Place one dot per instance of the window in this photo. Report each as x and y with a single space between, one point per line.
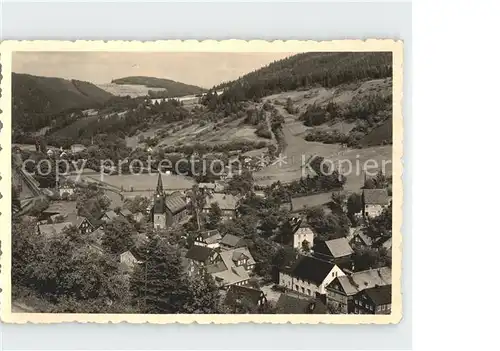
379 308
303 290
308 291
297 287
366 306
383 307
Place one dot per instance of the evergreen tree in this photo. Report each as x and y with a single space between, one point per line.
157 284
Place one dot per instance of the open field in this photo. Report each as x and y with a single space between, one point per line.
298 151
141 182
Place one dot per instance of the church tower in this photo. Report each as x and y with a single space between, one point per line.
159 208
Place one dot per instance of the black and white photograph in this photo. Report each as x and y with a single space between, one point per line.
225 183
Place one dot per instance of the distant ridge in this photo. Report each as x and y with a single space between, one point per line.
302 71
36 94
171 87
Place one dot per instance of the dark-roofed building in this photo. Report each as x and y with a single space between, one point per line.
200 257
289 303
375 300
341 291
227 203
309 276
209 238
230 242
336 250
167 209
374 201
245 299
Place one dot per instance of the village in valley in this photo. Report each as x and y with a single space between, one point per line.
228 200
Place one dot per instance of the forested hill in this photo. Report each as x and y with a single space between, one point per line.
173 88
327 69
41 95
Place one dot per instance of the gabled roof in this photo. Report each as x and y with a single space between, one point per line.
175 203
232 241
111 214
210 236
239 256
375 196
295 304
360 281
126 212
380 295
339 247
54 229
311 269
237 293
225 201
304 231
228 256
199 253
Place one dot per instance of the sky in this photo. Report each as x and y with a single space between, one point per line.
202 69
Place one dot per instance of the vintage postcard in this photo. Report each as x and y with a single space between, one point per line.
210 182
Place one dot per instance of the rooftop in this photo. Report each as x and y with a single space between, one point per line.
54 229
199 253
311 269
360 281
225 201
295 304
380 295
237 293
339 247
232 241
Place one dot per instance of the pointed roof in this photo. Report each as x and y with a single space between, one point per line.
159 185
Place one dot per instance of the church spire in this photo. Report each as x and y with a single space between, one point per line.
159 185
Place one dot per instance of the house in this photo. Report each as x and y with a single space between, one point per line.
211 187
374 202
129 260
167 209
340 292
232 267
209 238
336 250
83 224
388 246
376 300
230 242
138 217
227 203
77 148
109 216
199 257
357 238
51 230
309 276
303 236
289 303
245 297
65 190
124 212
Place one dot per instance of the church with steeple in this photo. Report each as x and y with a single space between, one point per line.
167 209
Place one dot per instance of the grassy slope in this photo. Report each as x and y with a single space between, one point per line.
174 89
34 94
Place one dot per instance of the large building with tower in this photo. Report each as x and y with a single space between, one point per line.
167 209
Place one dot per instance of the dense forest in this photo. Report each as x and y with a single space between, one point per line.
327 69
172 88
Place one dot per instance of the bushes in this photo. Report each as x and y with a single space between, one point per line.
263 131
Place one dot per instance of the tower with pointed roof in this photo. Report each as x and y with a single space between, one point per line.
159 216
